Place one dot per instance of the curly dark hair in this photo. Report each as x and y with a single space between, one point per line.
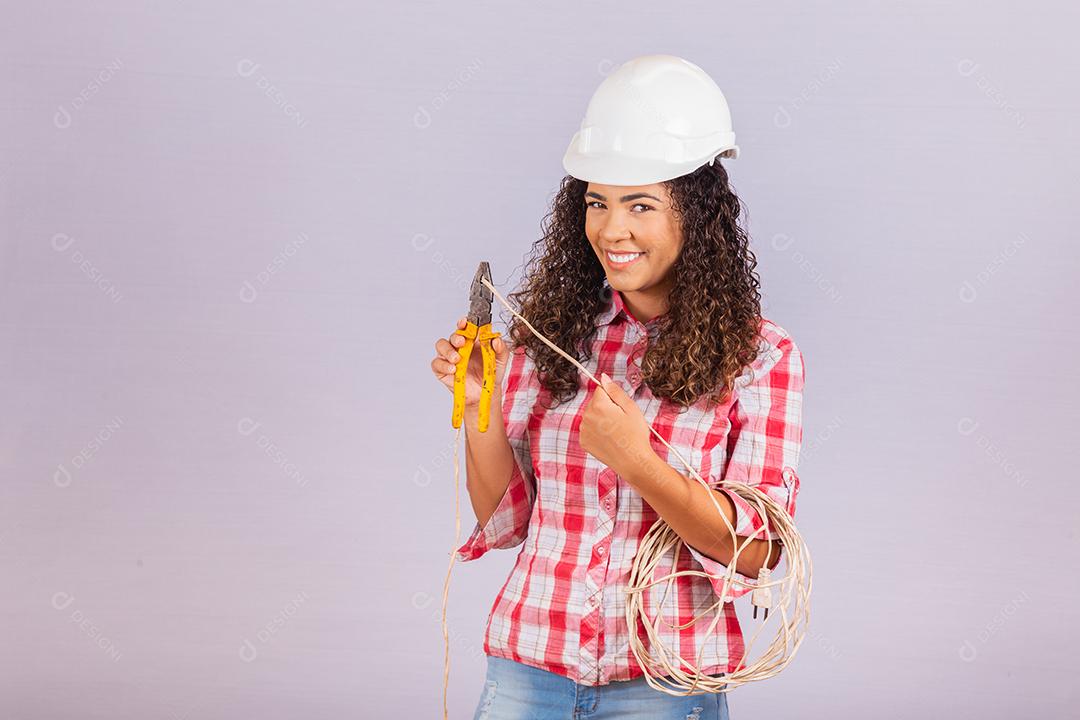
710 331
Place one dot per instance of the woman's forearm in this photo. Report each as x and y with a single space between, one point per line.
684 505
489 461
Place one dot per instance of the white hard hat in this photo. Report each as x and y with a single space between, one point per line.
655 118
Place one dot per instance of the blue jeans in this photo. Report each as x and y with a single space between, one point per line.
515 691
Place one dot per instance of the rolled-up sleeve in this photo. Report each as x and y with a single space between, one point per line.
508 526
763 444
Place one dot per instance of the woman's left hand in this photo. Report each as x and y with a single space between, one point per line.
614 430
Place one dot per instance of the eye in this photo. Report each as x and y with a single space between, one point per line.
643 205
593 203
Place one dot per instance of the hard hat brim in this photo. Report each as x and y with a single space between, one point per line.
609 169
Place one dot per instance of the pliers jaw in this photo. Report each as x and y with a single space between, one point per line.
480 297
477 330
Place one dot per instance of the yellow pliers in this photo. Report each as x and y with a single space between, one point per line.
477 330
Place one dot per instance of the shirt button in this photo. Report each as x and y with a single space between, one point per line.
600 550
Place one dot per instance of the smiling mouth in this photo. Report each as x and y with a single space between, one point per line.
621 260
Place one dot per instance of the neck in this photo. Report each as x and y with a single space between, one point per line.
646 304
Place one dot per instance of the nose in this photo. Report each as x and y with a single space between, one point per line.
614 228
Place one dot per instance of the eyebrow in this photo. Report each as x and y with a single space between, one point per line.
624 198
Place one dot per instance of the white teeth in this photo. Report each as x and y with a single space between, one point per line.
623 258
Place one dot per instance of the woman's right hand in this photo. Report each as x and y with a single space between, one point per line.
444 365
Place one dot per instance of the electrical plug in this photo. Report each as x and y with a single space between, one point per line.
762 596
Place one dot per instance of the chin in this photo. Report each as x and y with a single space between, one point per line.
623 284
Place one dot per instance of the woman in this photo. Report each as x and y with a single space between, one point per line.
645 274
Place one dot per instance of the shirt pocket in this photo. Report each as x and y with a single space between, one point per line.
556 451
695 432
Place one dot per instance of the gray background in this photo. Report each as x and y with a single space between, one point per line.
231 236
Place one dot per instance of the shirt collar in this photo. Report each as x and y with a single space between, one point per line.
613 308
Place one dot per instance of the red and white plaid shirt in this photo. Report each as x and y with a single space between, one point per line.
563 606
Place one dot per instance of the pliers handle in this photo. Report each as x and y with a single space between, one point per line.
482 334
477 330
